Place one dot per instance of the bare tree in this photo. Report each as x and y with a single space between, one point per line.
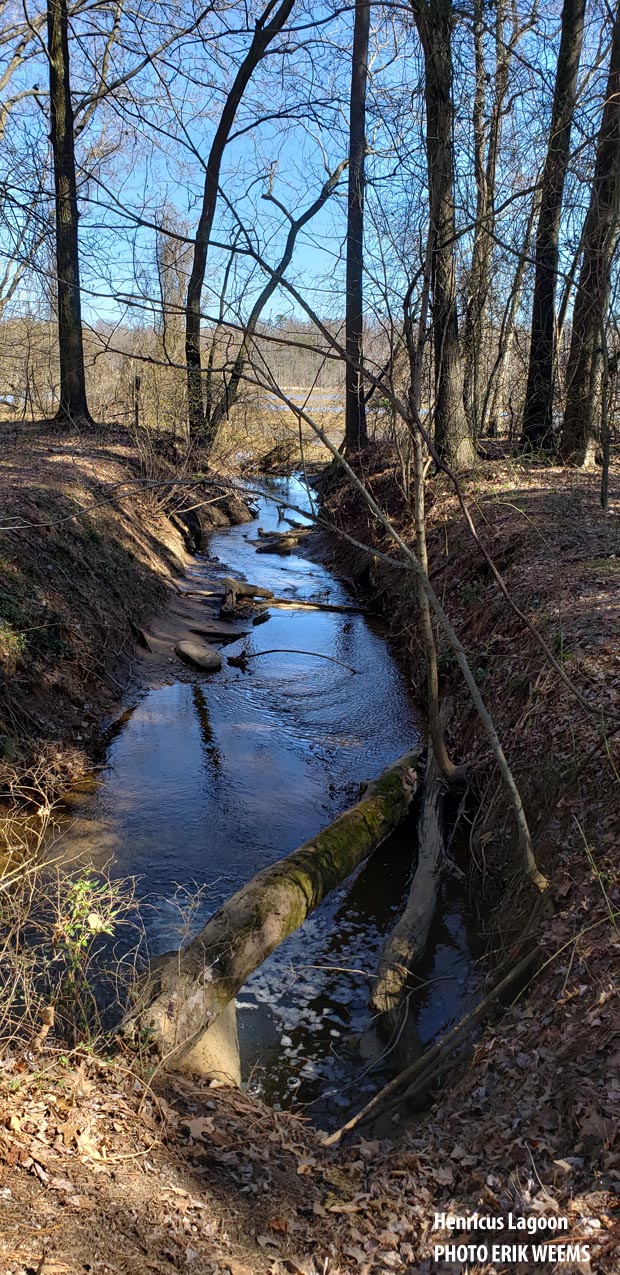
434 20
231 390
268 26
487 138
538 411
355 405
592 299
73 405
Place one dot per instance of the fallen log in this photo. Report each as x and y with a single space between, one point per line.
295 534
242 589
186 990
340 607
282 546
235 589
407 942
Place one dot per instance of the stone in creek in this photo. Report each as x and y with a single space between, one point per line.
199 655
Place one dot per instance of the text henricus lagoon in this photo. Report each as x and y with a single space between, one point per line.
515 1245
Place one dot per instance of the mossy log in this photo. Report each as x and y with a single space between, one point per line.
186 990
283 545
296 533
407 941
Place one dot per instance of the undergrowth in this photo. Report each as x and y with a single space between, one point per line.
70 939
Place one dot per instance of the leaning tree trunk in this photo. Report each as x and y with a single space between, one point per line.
265 31
434 20
355 403
415 348
592 299
538 410
188 989
73 404
407 942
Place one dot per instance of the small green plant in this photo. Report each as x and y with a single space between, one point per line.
11 639
560 646
69 942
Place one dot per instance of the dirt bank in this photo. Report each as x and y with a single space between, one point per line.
559 556
541 1097
92 539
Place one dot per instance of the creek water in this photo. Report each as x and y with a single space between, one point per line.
206 781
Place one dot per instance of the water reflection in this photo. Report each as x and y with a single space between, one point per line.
206 782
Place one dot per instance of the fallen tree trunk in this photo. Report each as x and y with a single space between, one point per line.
295 534
283 545
341 608
407 941
186 990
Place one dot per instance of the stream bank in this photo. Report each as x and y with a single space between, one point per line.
88 551
558 555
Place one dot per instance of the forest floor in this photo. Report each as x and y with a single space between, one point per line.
99 1173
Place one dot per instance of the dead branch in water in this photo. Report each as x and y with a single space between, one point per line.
407 941
238 661
416 1074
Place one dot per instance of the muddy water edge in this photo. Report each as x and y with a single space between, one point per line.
207 778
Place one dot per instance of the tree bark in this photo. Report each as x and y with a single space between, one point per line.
434 20
265 31
538 410
486 152
415 349
592 299
73 405
188 989
355 402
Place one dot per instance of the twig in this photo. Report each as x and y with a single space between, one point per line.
238 660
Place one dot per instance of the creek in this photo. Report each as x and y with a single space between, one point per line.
210 778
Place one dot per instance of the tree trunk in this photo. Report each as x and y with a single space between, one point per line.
73 404
592 299
415 349
355 403
494 395
188 989
407 942
538 410
434 19
264 33
486 152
